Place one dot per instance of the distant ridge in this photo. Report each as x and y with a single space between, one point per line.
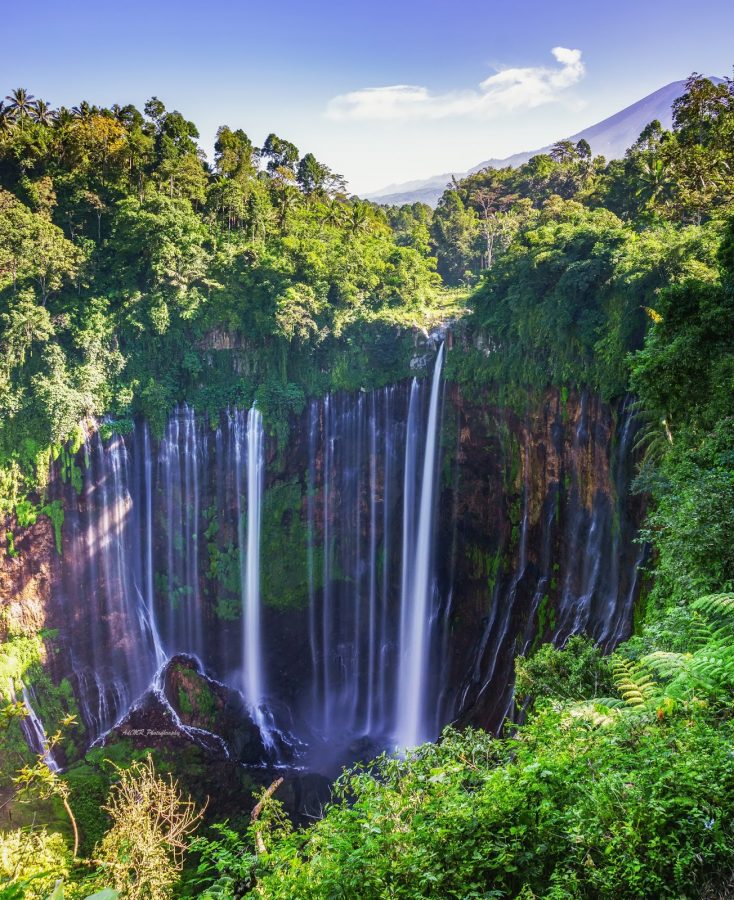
610 137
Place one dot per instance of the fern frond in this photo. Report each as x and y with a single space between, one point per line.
714 667
608 702
666 664
716 606
635 685
701 633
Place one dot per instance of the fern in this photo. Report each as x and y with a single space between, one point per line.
719 607
701 633
634 684
667 665
608 702
709 667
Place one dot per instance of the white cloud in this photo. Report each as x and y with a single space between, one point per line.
510 89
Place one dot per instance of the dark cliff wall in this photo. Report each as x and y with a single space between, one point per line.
541 537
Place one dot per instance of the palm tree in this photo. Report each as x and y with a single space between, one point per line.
288 199
20 104
84 111
42 113
359 218
654 180
333 214
64 116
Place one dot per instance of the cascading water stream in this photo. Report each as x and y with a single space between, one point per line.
180 460
33 730
254 681
416 615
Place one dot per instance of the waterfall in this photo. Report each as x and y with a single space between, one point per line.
346 640
108 577
416 596
365 459
32 728
180 460
249 544
148 599
372 654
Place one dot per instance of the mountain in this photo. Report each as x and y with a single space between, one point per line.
610 138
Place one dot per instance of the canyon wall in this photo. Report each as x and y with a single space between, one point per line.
530 538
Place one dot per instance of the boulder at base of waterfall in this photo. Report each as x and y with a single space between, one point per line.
188 710
152 724
206 704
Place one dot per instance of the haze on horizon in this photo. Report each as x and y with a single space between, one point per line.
383 93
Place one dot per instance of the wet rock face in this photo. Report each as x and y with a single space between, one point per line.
541 541
200 730
151 724
27 578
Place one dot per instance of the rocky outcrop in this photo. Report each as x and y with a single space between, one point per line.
204 704
199 730
186 708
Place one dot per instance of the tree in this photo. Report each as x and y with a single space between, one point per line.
297 311
42 782
234 154
33 250
456 231
84 111
333 214
287 200
358 219
700 112
583 149
564 152
6 117
493 203
42 113
316 178
280 154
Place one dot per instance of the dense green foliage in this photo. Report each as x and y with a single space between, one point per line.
163 278
134 275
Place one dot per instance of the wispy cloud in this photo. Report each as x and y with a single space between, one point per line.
508 90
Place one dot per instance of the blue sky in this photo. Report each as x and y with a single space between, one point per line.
309 70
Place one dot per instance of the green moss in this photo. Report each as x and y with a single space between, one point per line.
484 566
10 544
542 619
21 665
196 698
70 472
184 703
26 513
224 569
285 538
55 512
113 427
